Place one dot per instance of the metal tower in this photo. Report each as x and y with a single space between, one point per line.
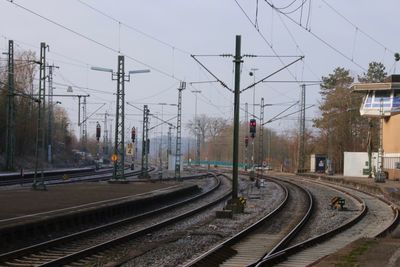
105 136
302 125
182 86
84 125
119 147
246 145
169 141
145 149
261 141
10 129
50 115
380 175
40 133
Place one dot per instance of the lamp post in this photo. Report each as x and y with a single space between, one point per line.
118 156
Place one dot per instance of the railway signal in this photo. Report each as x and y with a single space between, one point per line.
253 125
133 134
98 131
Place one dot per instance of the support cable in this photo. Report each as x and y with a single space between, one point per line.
317 37
93 40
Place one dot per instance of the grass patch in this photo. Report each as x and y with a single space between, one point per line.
351 259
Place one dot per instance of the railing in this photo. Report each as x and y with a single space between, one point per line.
391 162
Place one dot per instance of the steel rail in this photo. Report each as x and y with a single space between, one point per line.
281 255
223 250
45 246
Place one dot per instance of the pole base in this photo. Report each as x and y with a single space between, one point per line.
380 177
39 187
236 205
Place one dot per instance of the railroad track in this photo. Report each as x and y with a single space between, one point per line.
75 247
377 218
257 240
101 175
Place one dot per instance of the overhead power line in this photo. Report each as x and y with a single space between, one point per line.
263 37
316 36
133 28
93 40
357 28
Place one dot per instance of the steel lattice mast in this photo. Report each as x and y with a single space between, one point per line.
246 152
10 129
40 133
182 86
302 122
119 122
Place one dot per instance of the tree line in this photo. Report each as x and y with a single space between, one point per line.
26 115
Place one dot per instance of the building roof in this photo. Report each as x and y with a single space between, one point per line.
362 87
392 82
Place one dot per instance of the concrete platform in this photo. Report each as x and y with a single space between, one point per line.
23 210
22 202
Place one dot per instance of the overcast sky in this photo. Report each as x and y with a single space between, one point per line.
161 35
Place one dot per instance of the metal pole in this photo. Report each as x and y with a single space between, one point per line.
253 73
119 143
40 134
246 152
182 86
302 122
269 135
146 159
380 175
237 61
105 136
369 147
161 139
144 140
261 141
169 144
84 126
10 129
50 115
169 140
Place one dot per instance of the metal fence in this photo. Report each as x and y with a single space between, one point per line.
391 162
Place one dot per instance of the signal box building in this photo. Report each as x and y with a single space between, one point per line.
382 100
